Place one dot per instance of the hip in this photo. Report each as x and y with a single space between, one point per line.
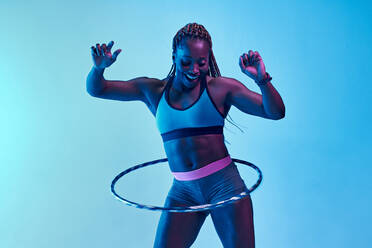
214 187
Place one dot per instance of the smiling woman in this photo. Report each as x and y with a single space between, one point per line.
192 49
190 106
190 116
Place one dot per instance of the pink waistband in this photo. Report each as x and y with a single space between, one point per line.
204 171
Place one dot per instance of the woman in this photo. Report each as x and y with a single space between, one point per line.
190 106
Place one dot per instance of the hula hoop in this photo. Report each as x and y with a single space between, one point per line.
190 208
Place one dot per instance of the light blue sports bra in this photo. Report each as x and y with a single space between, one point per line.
201 117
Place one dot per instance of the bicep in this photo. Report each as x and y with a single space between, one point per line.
131 90
245 99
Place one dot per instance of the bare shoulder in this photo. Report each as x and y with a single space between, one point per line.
150 84
223 84
153 89
226 82
153 86
233 92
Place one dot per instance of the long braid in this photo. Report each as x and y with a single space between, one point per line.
193 31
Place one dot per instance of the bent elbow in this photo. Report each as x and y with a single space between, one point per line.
282 116
91 93
278 117
94 93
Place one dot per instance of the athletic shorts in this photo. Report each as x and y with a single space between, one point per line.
218 186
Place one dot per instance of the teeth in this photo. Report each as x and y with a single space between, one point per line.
190 77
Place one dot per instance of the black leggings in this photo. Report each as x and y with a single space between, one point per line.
233 222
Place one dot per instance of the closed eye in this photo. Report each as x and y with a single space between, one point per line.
188 63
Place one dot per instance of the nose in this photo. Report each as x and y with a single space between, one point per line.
195 70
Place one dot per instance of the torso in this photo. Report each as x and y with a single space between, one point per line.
190 153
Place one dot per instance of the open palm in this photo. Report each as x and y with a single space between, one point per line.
102 56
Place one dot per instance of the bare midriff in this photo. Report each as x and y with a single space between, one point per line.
194 152
191 153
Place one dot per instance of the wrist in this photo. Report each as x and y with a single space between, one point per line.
97 69
267 78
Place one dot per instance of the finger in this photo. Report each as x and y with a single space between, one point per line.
243 59
98 47
241 62
116 53
255 56
258 56
109 46
93 49
104 49
247 58
250 55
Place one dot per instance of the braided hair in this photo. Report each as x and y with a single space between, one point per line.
196 31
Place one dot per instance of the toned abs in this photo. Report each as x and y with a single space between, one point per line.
191 153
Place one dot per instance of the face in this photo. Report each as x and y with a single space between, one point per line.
191 59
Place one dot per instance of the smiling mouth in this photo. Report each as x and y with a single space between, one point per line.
191 78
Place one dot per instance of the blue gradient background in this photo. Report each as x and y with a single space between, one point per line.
61 148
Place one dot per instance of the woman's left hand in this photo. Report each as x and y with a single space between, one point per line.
252 65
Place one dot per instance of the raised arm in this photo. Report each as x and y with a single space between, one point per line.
268 105
98 86
253 103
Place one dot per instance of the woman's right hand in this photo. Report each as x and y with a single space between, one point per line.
102 56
